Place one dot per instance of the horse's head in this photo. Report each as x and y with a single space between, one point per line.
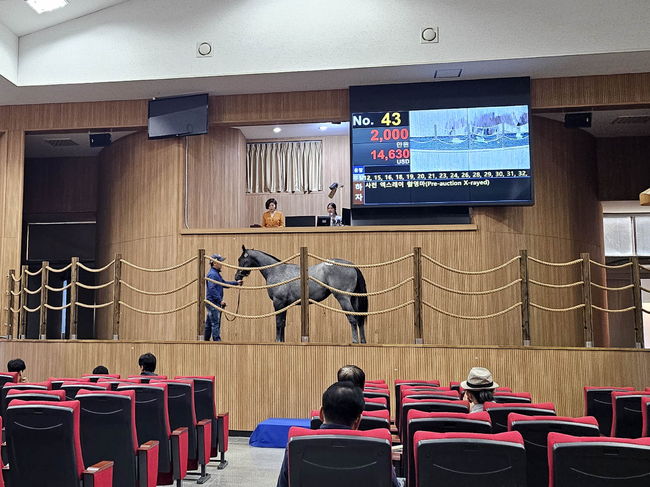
245 260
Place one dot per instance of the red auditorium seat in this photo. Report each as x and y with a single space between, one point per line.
57 381
627 421
375 403
145 379
535 430
598 403
6 377
401 382
41 386
345 458
152 423
499 412
645 415
116 382
438 423
505 397
459 459
377 382
369 420
430 406
108 431
598 462
71 388
44 447
96 377
32 395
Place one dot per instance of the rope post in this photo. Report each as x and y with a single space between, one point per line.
304 295
74 297
43 313
10 303
22 315
525 298
417 295
200 293
638 304
117 295
588 318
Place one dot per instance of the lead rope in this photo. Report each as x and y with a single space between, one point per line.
237 310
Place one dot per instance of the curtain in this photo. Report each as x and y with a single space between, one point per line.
284 167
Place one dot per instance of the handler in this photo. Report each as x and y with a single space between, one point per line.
214 294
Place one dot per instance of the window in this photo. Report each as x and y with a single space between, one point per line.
627 235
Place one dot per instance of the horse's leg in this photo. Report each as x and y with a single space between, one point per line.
346 305
280 322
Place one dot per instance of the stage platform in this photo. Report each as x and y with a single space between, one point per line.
273 432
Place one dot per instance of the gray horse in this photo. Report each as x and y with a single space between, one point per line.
347 279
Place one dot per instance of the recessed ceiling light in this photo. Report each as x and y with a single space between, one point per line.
277 130
41 6
323 127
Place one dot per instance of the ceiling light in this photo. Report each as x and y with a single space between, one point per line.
41 6
323 127
277 130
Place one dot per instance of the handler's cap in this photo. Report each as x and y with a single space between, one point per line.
217 257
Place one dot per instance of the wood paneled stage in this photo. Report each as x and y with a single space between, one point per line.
258 381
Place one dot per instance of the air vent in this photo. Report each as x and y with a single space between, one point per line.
60 142
631 119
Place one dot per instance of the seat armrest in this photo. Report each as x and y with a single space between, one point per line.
179 441
98 475
204 440
222 432
148 464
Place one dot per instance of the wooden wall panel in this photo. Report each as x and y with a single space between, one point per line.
623 167
255 382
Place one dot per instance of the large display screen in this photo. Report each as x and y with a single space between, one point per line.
477 154
178 116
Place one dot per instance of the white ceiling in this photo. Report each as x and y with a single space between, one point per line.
36 145
602 126
298 130
21 19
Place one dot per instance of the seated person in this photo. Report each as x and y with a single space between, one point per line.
272 217
478 388
17 365
353 374
335 218
100 369
147 363
342 407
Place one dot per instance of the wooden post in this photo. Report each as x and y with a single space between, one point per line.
44 282
588 319
525 298
200 294
22 315
638 304
417 295
74 297
10 303
117 295
304 295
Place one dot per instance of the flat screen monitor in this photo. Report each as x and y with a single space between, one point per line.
459 143
323 221
300 221
177 116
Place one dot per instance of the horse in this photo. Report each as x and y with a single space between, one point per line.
349 279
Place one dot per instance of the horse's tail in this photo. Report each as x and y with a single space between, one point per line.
361 301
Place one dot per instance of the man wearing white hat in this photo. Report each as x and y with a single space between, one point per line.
478 388
214 294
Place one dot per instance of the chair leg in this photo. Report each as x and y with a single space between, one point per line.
204 476
222 461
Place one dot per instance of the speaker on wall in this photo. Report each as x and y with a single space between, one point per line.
577 120
100 140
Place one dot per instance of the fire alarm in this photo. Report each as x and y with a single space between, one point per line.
203 49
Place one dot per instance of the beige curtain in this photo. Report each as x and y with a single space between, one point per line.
284 167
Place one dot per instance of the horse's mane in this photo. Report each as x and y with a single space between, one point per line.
265 253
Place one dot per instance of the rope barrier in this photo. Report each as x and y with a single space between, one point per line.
605 266
159 269
58 289
98 286
622 288
14 310
483 317
646 267
93 306
157 293
361 266
359 313
546 284
646 290
143 311
554 264
35 291
100 269
261 268
473 273
14 293
476 293
63 269
643 310
347 293
31 310
34 273
557 310
16 278
266 286
57 308
613 310
251 317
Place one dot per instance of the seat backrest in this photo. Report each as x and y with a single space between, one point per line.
145 379
6 377
371 420
58 381
345 458
430 406
375 403
108 432
645 415
499 412
71 388
315 420
598 462
32 395
627 421
43 443
204 396
505 397
439 423
180 405
9 386
96 377
598 403
398 387
535 430
455 458
114 383
152 419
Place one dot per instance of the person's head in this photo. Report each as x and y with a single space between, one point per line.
342 404
100 369
479 386
217 260
147 362
271 204
353 374
17 365
331 209
479 397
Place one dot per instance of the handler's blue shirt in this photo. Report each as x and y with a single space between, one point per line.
213 291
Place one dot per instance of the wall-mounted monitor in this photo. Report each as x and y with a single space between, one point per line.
177 116
459 143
